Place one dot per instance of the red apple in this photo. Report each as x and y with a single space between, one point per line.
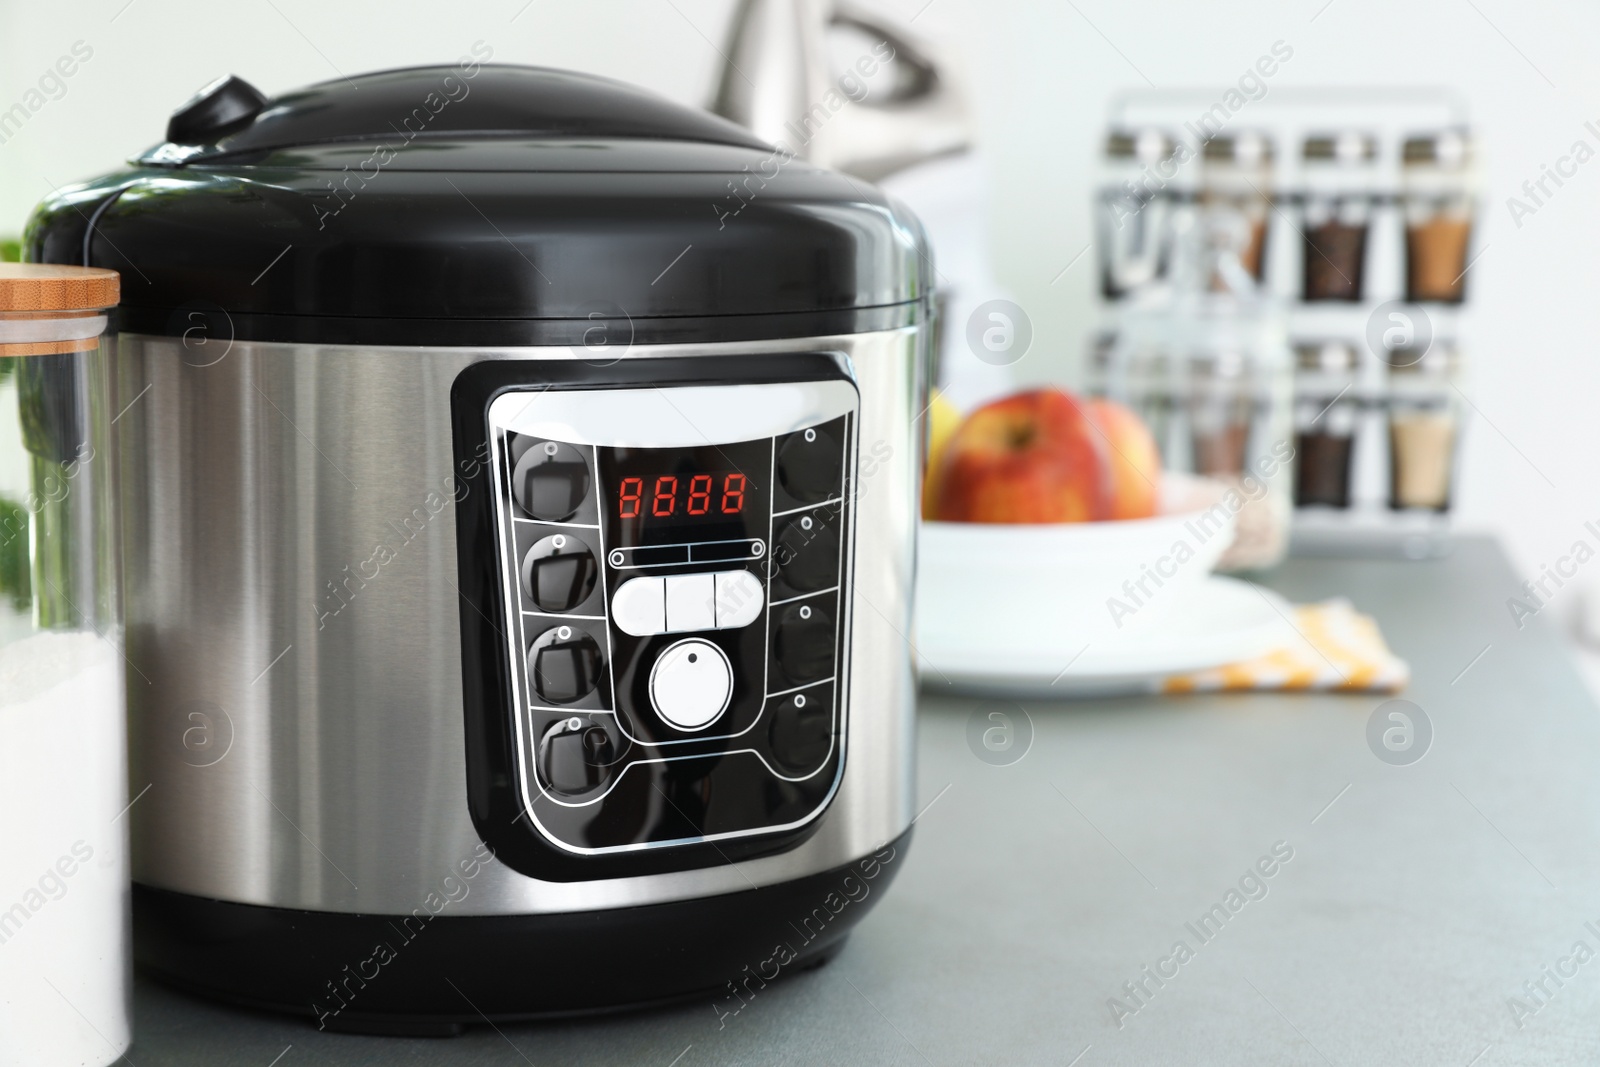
1135 460
1032 457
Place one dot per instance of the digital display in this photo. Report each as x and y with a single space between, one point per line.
679 495
667 495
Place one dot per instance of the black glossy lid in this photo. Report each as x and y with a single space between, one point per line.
386 207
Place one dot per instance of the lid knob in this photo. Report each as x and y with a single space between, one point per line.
220 108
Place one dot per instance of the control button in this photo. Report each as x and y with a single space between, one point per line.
802 730
551 481
639 607
739 599
576 755
690 684
804 643
809 463
808 552
564 664
722 601
558 572
691 603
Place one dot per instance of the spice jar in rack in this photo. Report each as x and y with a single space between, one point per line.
1236 192
1439 188
1339 179
1151 393
1425 415
1101 374
1238 420
1132 364
1326 411
1133 217
1221 413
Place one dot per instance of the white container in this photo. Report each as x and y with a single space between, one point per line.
64 898
1059 587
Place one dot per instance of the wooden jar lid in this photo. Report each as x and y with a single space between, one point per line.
51 287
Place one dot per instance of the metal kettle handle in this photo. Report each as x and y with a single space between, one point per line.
778 82
924 77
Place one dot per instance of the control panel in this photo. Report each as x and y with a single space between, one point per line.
675 571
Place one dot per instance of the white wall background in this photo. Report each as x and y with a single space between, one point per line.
1041 72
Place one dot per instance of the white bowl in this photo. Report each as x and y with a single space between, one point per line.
1062 586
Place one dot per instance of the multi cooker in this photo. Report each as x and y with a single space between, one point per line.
518 477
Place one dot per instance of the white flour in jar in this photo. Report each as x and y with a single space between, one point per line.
64 960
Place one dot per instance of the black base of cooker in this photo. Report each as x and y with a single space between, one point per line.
374 974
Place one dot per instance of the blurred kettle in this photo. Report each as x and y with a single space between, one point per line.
781 80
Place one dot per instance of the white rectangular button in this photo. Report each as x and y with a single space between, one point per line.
739 599
639 607
691 603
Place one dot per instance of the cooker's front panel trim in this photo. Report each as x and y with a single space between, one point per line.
669 624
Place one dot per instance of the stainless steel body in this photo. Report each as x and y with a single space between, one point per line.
296 692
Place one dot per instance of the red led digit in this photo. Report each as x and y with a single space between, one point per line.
666 497
628 500
700 494
733 493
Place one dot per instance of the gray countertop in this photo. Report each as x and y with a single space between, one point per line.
1417 901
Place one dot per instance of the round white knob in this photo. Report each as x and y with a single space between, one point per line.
690 684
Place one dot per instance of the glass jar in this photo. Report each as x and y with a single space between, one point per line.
1139 371
1424 427
1339 179
1238 396
1134 213
1236 195
1221 412
1151 395
64 960
1325 415
1438 184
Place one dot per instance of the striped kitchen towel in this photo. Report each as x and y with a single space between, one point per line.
1337 648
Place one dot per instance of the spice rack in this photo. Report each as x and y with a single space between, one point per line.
1350 213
